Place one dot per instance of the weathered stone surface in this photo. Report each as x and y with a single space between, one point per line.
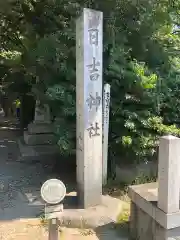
89 119
145 196
144 223
42 113
143 226
92 217
34 128
36 153
169 174
147 221
39 139
133 219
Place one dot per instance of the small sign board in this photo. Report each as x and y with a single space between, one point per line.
53 191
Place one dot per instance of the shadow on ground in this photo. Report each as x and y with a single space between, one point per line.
113 231
106 232
20 182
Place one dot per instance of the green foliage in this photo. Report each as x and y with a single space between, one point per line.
141 46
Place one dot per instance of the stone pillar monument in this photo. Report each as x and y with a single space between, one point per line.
42 113
169 174
39 139
89 107
155 210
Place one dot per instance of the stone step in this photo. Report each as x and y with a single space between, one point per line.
35 128
39 139
36 153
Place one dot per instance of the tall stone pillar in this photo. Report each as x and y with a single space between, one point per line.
89 107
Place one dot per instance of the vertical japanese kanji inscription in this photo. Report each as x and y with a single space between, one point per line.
106 106
89 107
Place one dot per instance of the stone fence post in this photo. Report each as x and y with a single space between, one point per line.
169 174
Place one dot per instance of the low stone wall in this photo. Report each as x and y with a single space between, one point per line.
155 211
147 220
144 227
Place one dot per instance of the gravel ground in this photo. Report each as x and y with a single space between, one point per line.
20 201
22 230
32 229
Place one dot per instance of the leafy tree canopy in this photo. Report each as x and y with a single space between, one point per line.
141 62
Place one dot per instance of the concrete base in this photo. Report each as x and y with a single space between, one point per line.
147 221
38 152
91 217
39 139
40 128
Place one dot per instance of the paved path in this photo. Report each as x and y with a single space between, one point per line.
19 182
20 201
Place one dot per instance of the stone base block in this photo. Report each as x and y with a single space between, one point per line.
147 221
143 226
37 153
40 128
39 139
92 217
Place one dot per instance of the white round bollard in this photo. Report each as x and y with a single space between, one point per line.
53 191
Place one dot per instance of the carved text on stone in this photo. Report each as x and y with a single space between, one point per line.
93 130
93 69
94 101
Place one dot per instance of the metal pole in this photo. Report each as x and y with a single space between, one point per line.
53 229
